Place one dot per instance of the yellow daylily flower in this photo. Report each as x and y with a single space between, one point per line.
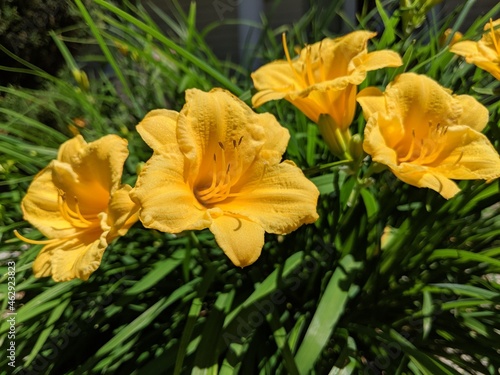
79 204
216 165
322 82
426 135
485 53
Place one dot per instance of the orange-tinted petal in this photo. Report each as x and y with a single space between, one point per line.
40 206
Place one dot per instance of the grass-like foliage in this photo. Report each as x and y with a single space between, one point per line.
391 279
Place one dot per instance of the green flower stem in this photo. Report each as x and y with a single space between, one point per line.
315 170
337 139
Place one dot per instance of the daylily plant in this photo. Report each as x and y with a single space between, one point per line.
485 53
80 205
427 136
322 82
216 165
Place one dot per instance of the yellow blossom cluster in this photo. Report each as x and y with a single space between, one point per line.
218 165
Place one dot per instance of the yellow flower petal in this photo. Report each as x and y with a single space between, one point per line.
157 129
424 178
277 197
371 100
102 162
468 155
381 137
90 195
419 101
70 149
74 258
474 115
167 202
338 53
240 239
376 60
40 207
276 80
122 213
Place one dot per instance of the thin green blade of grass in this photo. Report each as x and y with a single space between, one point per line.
226 82
329 310
146 318
269 285
205 355
464 256
192 318
463 290
160 270
280 337
50 324
107 52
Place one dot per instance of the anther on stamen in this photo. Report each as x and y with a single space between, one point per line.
239 142
289 60
221 145
494 37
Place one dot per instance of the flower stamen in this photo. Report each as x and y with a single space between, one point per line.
494 37
74 217
287 54
34 242
409 154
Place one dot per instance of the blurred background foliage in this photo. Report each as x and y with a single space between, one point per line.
391 279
